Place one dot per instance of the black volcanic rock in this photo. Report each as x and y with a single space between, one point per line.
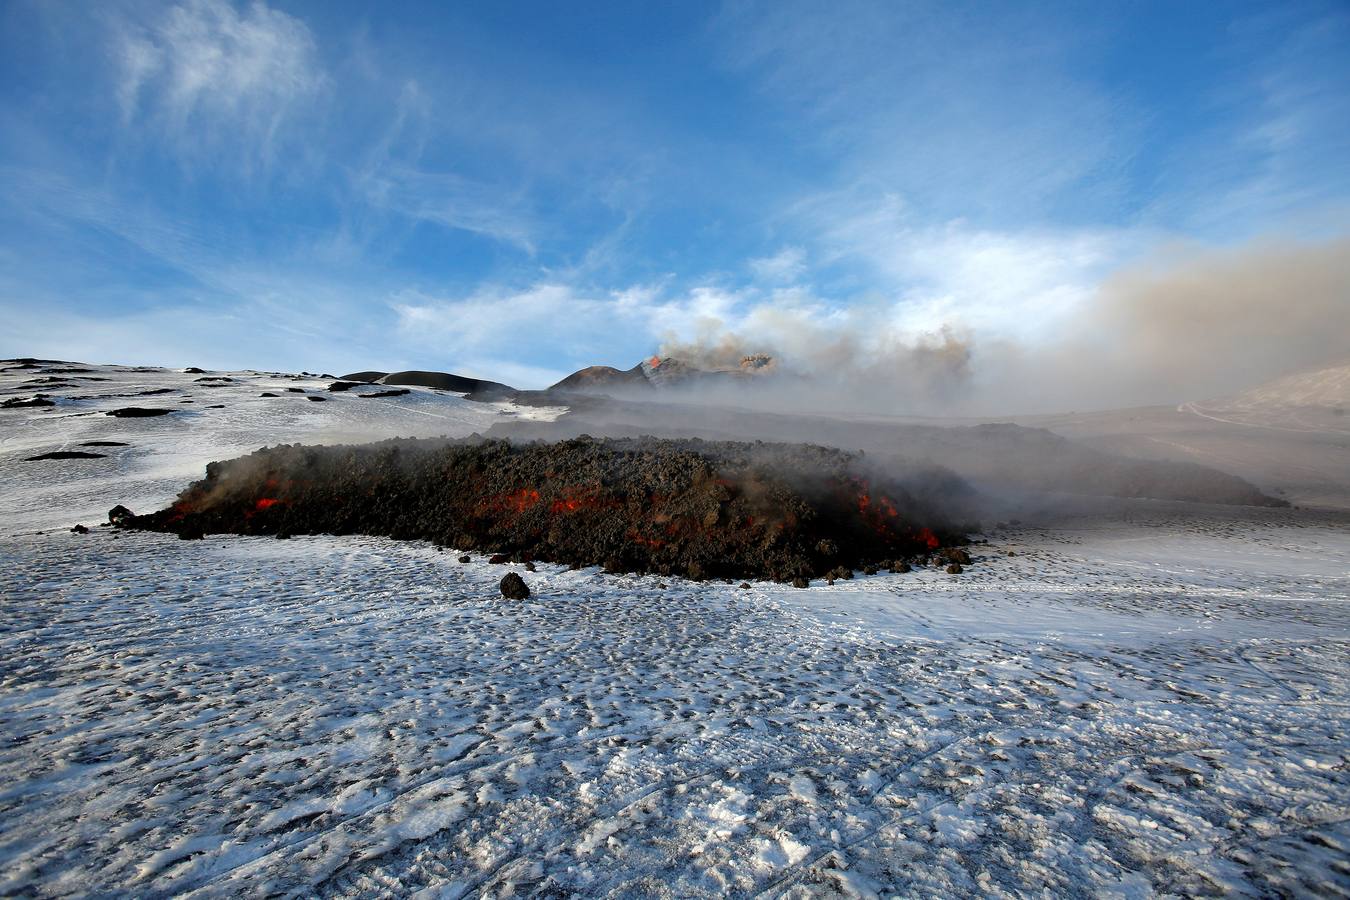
445 381
137 412
601 378
513 587
701 509
363 377
19 403
66 454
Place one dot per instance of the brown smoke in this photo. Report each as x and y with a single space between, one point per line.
1187 324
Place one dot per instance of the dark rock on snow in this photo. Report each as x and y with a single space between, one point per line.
137 412
18 403
513 587
694 508
67 454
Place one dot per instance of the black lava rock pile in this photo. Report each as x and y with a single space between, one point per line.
684 507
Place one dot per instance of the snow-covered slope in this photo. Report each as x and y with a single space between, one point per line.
1316 401
216 415
1153 701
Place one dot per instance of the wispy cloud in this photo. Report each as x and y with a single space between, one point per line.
204 72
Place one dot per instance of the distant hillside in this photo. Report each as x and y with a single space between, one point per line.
1308 401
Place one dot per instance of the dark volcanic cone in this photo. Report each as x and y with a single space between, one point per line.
687 507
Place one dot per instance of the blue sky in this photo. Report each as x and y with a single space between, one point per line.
517 190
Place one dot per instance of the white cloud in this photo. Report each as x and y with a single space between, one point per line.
204 72
788 264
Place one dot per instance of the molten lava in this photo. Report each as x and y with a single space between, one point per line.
704 509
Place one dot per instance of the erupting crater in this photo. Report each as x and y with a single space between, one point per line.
680 507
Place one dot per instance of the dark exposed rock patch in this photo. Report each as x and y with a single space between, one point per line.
154 391
67 454
316 399
696 508
105 444
445 381
395 393
295 390
193 370
513 587
363 377
340 386
20 403
601 378
137 412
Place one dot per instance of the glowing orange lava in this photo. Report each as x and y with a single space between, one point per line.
521 500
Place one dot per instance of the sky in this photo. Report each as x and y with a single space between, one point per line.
517 190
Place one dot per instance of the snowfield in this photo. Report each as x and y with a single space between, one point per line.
1153 701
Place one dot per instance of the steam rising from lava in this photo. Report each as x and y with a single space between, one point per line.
1187 324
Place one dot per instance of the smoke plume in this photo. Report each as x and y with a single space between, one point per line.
1184 325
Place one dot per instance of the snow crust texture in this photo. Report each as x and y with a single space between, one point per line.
1151 705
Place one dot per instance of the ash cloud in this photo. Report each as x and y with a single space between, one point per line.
1183 325
829 366
1201 324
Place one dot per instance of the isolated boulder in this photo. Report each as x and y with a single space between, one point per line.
119 514
514 587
